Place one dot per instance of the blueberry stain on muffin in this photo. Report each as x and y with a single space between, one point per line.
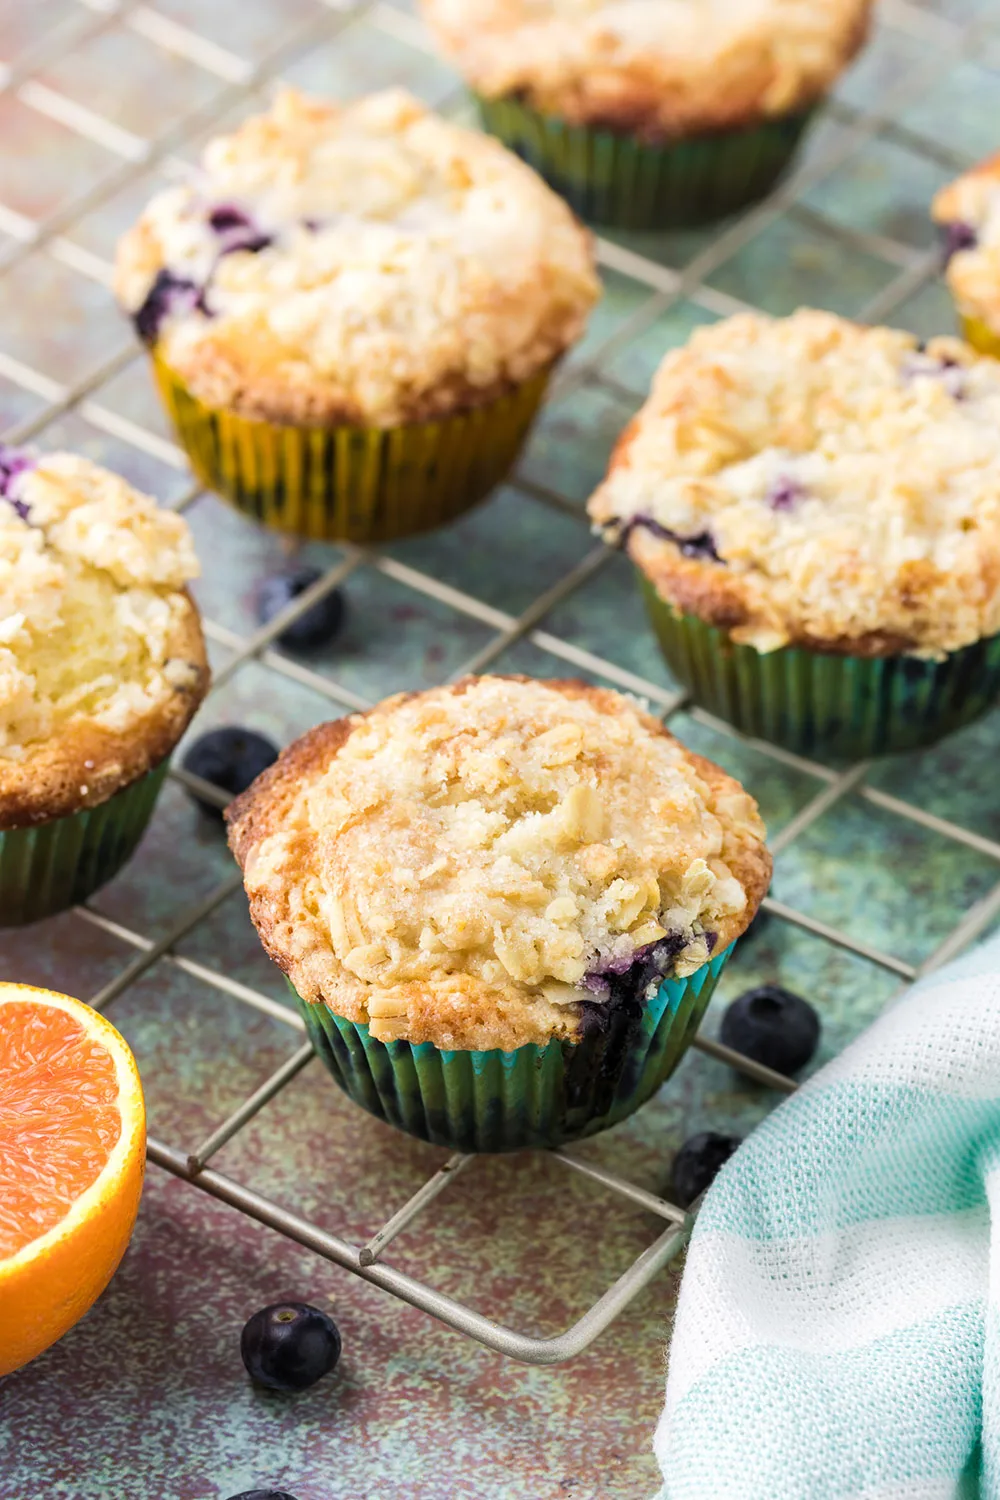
785 493
958 236
237 230
13 463
169 296
701 544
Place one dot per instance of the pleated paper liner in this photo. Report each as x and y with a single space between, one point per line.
981 336
613 179
846 707
47 868
536 1096
352 484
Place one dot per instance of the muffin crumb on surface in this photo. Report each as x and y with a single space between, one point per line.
479 865
809 481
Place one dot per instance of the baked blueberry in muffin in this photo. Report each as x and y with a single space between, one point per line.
807 484
968 213
333 274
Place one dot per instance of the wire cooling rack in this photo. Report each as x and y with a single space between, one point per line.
41 79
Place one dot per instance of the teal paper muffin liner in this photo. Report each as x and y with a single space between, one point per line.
46 868
536 1096
612 178
847 707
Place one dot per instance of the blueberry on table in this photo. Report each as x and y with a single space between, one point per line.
317 626
263 1495
773 1026
230 758
289 1346
697 1163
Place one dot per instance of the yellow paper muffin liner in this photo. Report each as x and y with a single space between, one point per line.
981 336
352 484
536 1096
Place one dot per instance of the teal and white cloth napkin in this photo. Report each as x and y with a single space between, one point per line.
838 1329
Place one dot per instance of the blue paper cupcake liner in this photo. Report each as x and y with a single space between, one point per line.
536 1096
844 707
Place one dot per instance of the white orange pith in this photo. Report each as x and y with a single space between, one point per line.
72 1154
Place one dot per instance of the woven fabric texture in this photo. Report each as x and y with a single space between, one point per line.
838 1329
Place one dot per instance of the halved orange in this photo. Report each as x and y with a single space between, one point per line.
72 1155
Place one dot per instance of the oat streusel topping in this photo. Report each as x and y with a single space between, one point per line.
808 480
659 67
369 263
470 864
99 642
969 211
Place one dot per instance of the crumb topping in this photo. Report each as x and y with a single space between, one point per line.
486 860
370 262
968 211
91 600
805 479
662 67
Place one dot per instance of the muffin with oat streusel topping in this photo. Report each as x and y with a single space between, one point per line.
649 114
353 312
102 665
814 508
503 904
968 211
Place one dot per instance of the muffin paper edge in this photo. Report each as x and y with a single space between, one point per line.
51 866
815 703
536 1096
352 484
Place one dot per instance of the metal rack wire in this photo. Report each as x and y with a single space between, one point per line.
128 157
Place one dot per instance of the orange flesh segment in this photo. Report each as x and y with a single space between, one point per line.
59 1118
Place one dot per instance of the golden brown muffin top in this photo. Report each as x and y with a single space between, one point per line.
658 68
102 661
368 264
478 865
811 481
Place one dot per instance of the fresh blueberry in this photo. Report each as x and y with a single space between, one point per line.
697 1163
289 1346
168 296
262 1495
230 758
772 1026
314 628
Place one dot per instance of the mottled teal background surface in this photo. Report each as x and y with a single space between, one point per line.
147 1399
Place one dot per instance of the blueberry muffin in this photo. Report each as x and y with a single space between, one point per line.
353 312
102 665
503 904
814 510
646 114
968 211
